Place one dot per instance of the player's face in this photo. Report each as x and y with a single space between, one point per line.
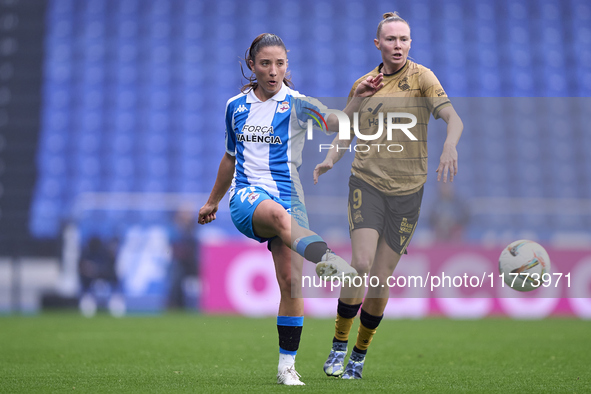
269 66
394 43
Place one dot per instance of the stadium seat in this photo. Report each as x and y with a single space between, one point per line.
129 101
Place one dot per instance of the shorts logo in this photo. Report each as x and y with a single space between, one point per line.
252 197
299 215
405 227
248 193
283 107
241 108
357 218
402 239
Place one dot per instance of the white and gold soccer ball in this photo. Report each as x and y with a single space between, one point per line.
524 265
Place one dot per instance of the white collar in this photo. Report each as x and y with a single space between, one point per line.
251 97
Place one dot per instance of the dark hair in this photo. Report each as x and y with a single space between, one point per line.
390 17
262 41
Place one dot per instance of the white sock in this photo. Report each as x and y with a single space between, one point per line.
285 360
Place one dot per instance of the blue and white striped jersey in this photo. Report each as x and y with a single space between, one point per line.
267 139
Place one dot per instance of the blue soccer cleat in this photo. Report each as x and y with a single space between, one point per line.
354 367
334 365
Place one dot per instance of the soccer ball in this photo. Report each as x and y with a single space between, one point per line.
524 265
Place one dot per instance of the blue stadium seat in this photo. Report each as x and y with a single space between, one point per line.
130 84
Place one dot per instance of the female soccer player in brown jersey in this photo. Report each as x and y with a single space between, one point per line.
386 184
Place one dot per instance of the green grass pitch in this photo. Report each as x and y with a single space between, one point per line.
195 353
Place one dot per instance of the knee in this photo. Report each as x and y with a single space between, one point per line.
281 220
362 264
287 281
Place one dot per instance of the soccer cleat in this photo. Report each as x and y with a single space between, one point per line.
334 365
289 377
354 367
333 266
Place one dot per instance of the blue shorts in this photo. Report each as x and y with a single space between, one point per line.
244 201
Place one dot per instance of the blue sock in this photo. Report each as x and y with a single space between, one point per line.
290 331
312 247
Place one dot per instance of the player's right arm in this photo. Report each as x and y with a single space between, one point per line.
221 186
225 175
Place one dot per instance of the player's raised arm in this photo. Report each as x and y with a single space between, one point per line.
365 88
448 162
370 86
221 186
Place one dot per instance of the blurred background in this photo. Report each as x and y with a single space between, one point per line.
111 131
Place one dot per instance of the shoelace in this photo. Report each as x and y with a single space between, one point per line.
329 254
294 374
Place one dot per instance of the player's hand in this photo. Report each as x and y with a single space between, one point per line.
448 162
321 169
207 213
370 86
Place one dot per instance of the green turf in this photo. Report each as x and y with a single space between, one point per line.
193 353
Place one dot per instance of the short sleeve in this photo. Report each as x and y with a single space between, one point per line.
431 88
310 108
230 135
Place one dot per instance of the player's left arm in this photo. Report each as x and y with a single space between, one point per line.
448 162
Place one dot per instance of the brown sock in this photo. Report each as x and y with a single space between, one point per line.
342 328
364 337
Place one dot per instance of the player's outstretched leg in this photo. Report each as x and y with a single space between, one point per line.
328 265
335 363
354 368
332 265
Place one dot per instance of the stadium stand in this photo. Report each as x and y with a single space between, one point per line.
134 94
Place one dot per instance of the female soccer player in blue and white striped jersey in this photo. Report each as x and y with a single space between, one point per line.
265 132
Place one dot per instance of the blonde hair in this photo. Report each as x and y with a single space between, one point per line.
390 17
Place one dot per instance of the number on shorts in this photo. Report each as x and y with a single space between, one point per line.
244 192
357 199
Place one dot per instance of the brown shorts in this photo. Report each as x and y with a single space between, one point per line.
393 217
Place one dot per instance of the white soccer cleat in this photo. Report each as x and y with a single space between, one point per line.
289 377
333 266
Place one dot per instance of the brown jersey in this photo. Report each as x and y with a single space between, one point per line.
395 164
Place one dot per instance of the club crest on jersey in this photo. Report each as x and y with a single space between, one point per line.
403 84
283 107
